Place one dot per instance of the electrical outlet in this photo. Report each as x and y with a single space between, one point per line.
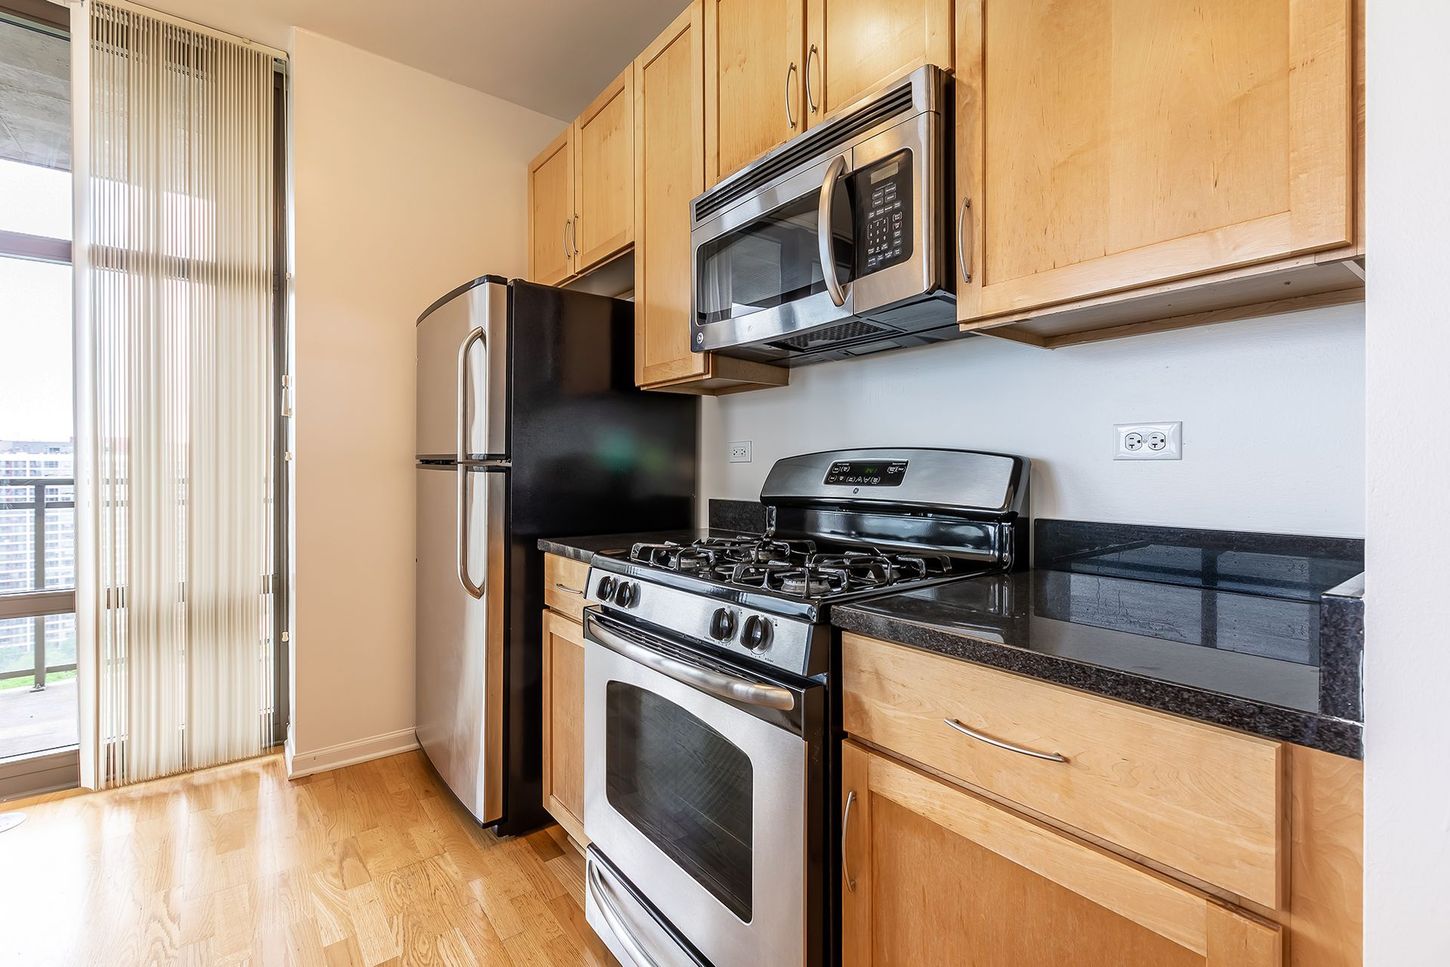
1149 441
739 451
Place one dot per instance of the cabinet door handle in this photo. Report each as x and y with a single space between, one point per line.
564 237
574 235
565 587
846 828
811 55
789 112
962 261
1020 750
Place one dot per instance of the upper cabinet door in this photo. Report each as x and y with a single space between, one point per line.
604 173
754 95
669 102
855 46
1105 145
551 212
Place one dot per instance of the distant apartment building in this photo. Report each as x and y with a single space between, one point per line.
22 463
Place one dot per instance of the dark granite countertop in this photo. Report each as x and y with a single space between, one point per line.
1247 661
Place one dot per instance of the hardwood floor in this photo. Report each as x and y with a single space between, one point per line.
372 864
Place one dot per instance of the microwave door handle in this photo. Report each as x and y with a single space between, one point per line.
475 336
824 237
706 680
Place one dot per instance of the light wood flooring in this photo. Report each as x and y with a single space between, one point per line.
372 864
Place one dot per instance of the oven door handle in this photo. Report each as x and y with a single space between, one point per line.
706 680
615 920
825 238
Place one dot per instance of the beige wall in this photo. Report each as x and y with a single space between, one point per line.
405 185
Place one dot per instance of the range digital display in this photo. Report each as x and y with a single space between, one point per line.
867 473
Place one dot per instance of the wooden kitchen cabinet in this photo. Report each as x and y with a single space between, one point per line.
775 67
551 212
935 875
754 93
604 174
855 46
581 189
563 662
669 145
1109 150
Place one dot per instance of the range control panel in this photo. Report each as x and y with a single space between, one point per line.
883 194
861 473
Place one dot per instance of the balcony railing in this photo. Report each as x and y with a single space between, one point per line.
38 495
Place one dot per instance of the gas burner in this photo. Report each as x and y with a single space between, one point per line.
718 556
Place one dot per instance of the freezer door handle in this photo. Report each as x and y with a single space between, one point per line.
474 590
477 335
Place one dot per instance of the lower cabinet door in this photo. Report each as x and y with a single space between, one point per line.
564 723
932 874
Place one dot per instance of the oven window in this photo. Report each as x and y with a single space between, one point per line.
685 786
772 260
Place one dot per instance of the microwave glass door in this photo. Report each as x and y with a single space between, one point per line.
685 786
774 259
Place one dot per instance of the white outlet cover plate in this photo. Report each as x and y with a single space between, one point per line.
1172 434
738 452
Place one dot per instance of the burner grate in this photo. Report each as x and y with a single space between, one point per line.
790 567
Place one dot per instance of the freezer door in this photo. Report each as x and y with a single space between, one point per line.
461 596
462 345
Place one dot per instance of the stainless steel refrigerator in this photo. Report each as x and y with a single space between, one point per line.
529 425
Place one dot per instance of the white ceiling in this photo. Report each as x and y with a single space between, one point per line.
549 55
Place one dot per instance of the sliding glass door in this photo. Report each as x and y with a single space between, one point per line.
38 712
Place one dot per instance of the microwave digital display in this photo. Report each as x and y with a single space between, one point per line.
866 473
883 216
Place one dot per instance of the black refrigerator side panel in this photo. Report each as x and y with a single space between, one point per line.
591 454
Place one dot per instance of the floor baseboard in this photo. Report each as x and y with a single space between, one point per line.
331 757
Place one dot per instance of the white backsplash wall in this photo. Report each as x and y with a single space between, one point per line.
1272 412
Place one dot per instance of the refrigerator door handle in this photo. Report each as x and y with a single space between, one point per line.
474 590
479 336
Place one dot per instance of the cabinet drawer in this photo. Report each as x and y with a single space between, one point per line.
1193 797
564 580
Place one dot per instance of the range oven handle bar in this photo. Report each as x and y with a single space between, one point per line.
825 238
615 920
706 680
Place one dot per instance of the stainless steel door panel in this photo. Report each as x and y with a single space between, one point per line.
460 639
628 929
482 404
775 933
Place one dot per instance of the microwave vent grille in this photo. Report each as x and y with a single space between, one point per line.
806 147
852 331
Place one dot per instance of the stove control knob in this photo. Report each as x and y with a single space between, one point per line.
756 633
627 594
722 624
605 588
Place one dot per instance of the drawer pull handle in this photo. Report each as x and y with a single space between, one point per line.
569 590
845 830
973 734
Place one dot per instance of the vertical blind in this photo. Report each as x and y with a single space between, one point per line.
181 268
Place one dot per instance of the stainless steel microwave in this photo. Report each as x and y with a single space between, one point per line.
837 243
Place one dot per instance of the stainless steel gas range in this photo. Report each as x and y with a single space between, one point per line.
710 722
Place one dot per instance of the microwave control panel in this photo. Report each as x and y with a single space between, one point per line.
883 197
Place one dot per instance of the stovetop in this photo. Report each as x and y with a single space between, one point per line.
793 567
792 575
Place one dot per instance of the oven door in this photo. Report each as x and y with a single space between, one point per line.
698 782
